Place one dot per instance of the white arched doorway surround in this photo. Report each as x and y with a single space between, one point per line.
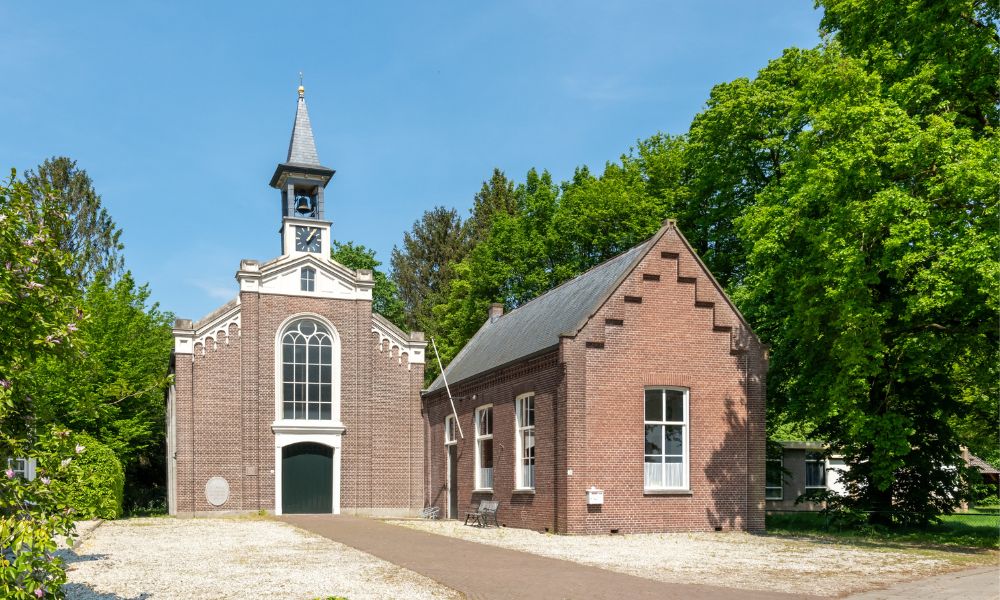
295 431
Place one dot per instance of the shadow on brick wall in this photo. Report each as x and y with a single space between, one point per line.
727 472
729 468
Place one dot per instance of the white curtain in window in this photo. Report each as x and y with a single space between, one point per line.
654 475
486 478
665 475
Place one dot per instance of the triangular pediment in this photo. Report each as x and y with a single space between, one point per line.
330 279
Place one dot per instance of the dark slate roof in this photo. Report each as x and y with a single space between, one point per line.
984 467
302 146
537 325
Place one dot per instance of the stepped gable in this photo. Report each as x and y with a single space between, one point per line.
565 310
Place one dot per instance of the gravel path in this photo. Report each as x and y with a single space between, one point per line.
735 560
163 558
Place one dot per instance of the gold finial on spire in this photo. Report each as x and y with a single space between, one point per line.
302 89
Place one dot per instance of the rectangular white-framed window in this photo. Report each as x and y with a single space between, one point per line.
308 280
524 442
22 467
666 432
815 471
449 431
773 488
484 448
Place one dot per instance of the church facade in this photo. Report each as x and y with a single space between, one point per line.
628 399
295 397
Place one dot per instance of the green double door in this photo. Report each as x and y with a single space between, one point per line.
306 479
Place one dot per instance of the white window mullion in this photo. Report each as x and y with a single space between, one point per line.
484 439
526 456
667 459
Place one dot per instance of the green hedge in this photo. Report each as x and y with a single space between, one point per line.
100 495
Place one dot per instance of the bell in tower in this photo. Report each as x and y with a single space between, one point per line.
301 179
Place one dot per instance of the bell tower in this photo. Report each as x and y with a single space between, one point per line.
301 179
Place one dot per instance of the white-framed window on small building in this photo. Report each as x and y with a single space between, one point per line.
22 467
666 430
525 442
308 279
815 471
449 431
484 447
773 489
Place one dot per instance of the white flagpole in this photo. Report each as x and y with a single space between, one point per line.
450 399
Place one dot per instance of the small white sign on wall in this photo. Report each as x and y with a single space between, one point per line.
595 496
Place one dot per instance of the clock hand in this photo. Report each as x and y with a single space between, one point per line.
311 236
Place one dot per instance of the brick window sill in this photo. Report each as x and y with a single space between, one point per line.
482 491
526 491
648 492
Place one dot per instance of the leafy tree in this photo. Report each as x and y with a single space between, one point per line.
38 318
871 271
87 234
111 386
736 148
385 294
551 233
496 197
423 267
933 57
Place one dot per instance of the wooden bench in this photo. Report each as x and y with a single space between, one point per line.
482 515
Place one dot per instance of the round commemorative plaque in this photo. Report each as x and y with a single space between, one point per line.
217 491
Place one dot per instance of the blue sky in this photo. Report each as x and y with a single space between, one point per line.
180 111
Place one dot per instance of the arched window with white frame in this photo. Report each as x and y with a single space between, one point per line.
307 371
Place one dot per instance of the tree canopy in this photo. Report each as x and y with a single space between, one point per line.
422 268
385 294
869 267
88 234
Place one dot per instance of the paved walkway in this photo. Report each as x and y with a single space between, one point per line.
489 572
971 584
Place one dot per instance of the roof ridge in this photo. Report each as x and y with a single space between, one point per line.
590 288
576 277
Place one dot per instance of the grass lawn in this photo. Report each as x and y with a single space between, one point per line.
975 529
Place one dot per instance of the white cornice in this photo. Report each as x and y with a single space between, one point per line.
391 337
308 427
208 332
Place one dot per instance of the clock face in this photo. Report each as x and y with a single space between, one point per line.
307 239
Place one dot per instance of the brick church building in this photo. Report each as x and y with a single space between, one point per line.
295 396
628 399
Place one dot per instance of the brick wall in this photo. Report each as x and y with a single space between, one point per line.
541 375
666 325
681 333
225 405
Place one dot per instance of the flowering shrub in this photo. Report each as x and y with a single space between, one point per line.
32 515
38 316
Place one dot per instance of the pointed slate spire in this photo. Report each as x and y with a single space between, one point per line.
302 146
302 164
